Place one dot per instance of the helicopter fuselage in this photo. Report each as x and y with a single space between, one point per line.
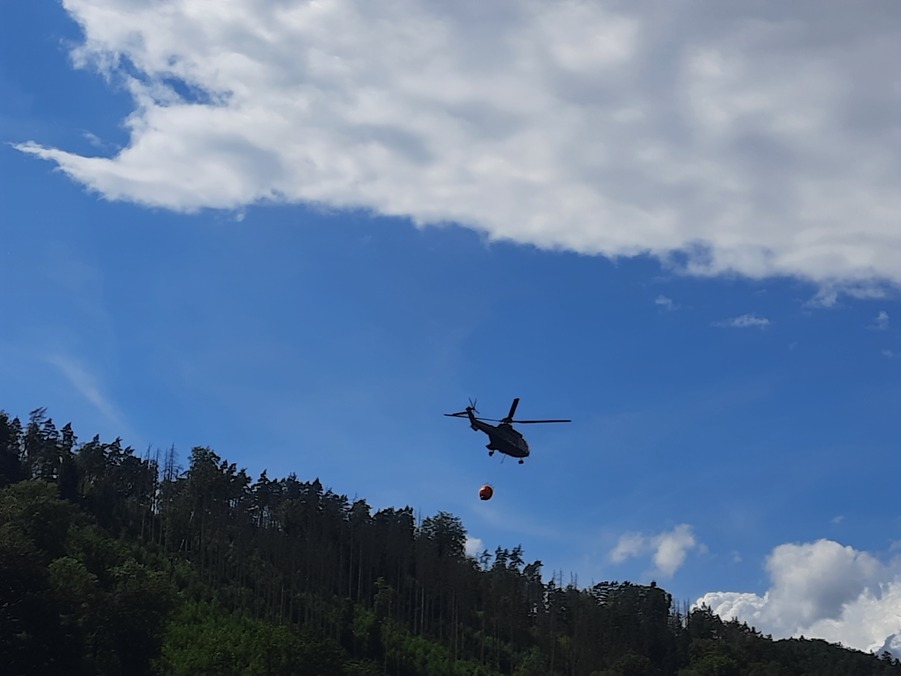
501 437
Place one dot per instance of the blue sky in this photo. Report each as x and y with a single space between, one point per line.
300 235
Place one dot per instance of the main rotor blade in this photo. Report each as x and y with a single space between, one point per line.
512 412
527 422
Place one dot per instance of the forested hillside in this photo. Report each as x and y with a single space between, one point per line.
117 563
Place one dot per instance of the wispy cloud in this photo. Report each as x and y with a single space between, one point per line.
666 303
667 550
563 125
881 322
95 140
825 297
748 321
87 386
890 354
824 590
628 546
828 293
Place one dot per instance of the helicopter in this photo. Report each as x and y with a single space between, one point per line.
501 437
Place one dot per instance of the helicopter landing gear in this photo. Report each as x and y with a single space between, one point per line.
490 450
520 462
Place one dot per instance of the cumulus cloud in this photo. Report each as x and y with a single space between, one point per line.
474 547
667 550
760 139
822 590
748 321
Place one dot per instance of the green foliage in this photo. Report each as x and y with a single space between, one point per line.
11 469
632 665
446 535
138 604
31 638
205 639
39 515
406 653
712 665
71 594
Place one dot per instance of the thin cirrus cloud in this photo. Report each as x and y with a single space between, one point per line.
760 139
666 303
87 387
825 590
747 321
881 322
667 550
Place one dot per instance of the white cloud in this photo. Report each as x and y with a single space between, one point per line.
474 547
892 645
826 297
668 549
629 545
828 292
665 302
821 590
94 140
748 321
882 321
753 139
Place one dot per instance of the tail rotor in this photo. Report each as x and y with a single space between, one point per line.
464 414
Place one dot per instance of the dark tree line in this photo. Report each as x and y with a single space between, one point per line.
115 562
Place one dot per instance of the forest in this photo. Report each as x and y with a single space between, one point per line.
115 562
